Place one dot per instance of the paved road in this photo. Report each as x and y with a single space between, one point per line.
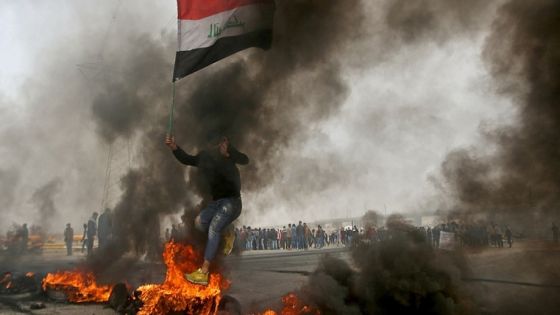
521 280
261 280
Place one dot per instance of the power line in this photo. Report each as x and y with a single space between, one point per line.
106 36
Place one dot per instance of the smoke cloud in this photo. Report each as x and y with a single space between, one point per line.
259 100
318 100
8 179
271 103
440 20
521 176
266 102
402 274
43 199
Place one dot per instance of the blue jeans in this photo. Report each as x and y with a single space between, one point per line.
214 219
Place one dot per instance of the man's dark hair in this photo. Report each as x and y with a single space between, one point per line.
214 137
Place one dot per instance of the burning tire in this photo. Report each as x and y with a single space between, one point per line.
229 306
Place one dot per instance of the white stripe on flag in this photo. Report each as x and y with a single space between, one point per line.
205 32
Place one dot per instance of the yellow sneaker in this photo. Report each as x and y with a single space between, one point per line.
228 240
197 277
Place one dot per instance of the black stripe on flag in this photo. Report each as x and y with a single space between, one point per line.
187 62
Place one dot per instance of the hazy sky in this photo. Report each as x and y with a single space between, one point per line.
403 115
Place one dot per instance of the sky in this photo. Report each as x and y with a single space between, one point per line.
382 149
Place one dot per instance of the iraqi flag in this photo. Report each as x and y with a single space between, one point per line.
210 30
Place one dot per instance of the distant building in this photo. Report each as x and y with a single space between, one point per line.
429 220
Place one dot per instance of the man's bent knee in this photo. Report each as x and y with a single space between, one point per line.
198 224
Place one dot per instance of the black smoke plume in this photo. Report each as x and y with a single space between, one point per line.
402 274
438 20
43 199
263 101
132 106
522 177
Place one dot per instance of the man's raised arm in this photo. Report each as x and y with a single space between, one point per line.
179 154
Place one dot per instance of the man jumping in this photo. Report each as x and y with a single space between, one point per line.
219 170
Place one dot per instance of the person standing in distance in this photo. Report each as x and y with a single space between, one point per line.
68 239
91 233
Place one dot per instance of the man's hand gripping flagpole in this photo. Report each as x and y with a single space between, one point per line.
169 137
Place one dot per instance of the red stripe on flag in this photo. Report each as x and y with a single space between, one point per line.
198 9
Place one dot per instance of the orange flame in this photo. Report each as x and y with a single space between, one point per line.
176 293
78 286
293 306
30 274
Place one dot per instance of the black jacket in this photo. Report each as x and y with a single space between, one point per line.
220 173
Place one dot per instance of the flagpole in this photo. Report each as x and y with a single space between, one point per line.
171 110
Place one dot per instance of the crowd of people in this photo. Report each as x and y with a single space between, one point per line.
301 236
479 234
292 237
